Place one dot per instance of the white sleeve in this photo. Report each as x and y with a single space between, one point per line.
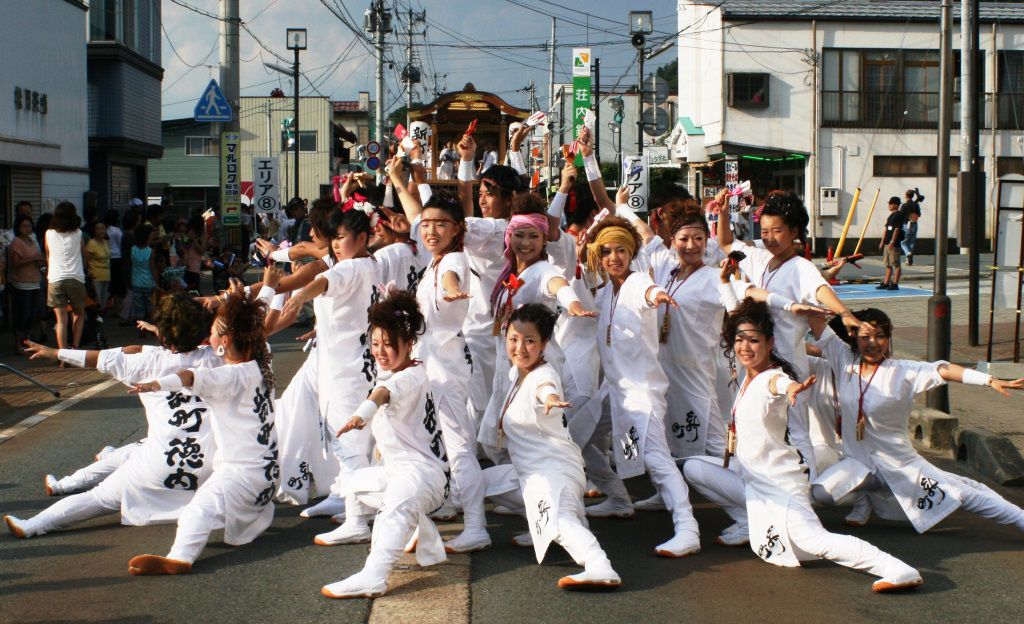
920 376
515 159
127 368
426 192
214 381
339 279
834 351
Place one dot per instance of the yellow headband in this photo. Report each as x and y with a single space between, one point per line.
613 235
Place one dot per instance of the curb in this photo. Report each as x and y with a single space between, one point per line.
993 455
932 428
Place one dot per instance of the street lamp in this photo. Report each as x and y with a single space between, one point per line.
296 40
641 24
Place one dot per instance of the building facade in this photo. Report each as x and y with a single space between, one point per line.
825 98
44 149
124 97
187 177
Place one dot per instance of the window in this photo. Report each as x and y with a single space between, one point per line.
103 20
1006 165
904 166
748 90
202 146
881 88
118 20
307 141
1011 89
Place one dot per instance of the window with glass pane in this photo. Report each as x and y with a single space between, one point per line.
921 85
103 20
201 146
1011 89
904 166
307 141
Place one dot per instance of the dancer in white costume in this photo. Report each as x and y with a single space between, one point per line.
783 528
238 496
628 343
403 417
527 277
440 228
107 461
876 394
778 270
160 477
341 296
547 462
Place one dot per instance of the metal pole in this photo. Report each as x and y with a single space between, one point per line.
295 67
969 124
640 103
549 150
270 131
229 70
408 72
597 109
378 39
939 327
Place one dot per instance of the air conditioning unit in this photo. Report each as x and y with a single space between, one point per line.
828 201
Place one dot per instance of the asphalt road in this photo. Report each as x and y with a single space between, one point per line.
973 569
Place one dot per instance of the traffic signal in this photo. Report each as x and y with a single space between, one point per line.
617 106
288 128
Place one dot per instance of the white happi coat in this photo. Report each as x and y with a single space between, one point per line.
773 475
693 423
581 368
245 467
921 489
535 279
402 263
346 368
633 375
546 459
162 474
484 246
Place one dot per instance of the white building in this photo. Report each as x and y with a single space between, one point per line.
44 141
813 94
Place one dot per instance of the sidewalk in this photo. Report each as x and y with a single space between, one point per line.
872 268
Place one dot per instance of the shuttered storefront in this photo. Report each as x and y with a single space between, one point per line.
27 185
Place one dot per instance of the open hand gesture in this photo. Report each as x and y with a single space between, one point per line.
145 386
576 309
797 387
554 401
663 298
355 423
36 351
1003 386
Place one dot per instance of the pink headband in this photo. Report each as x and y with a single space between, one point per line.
520 221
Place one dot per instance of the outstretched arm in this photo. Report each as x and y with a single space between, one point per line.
969 376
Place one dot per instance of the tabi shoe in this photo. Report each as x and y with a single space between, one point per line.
348 533
330 506
861 513
682 544
145 565
610 509
504 510
51 486
524 540
654 503
735 535
14 525
906 579
591 580
106 450
470 540
882 286
356 586
446 513
592 491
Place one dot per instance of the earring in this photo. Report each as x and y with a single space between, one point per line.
220 351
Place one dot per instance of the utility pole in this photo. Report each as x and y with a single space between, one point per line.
411 73
270 131
549 151
229 85
597 109
295 147
640 101
939 329
969 182
378 23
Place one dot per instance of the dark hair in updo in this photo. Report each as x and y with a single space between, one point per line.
183 324
529 203
502 180
539 315
790 209
398 316
580 204
241 319
684 213
753 313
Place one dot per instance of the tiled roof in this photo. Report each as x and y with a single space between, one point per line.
347 106
860 10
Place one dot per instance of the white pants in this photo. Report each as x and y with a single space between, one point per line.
595 460
308 466
573 532
459 435
91 475
352 449
980 499
719 485
103 499
481 349
405 500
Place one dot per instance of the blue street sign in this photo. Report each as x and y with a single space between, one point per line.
212 105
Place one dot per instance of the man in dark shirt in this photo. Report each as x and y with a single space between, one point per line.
911 210
890 246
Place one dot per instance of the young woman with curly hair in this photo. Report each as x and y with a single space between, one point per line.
144 487
238 496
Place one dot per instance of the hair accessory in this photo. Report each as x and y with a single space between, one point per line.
387 288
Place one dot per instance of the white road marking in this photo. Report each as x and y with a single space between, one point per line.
32 421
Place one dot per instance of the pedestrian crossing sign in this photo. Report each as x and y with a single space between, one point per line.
212 105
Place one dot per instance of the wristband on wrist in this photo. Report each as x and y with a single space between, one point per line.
566 296
467 172
728 296
627 213
976 378
74 357
267 293
366 410
277 303
557 206
170 382
779 302
280 255
652 295
426 192
592 169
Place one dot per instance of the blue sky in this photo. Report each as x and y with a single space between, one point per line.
340 67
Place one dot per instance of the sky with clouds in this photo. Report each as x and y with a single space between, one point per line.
495 44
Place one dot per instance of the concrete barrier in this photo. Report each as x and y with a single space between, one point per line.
932 428
993 455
